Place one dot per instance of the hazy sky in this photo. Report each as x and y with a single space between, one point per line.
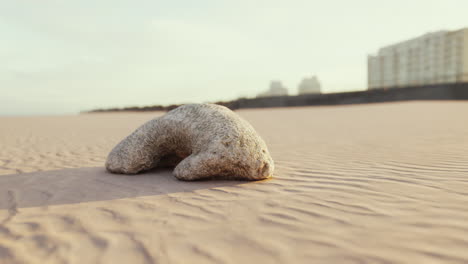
63 56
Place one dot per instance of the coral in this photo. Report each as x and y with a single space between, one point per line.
201 140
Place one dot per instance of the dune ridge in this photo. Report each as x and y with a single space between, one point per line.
384 183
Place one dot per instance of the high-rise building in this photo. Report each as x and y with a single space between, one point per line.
309 86
434 58
276 89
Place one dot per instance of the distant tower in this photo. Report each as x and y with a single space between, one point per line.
276 89
309 86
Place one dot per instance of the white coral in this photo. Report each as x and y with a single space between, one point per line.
200 140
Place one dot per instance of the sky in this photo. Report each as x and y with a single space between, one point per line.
66 56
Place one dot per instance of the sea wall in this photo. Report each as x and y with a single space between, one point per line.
456 91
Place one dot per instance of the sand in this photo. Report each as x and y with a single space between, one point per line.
382 183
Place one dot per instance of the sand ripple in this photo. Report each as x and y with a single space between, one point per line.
383 183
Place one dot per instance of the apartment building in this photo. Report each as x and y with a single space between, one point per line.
434 58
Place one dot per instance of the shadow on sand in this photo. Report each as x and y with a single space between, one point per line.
71 186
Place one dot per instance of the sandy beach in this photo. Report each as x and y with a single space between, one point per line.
379 183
